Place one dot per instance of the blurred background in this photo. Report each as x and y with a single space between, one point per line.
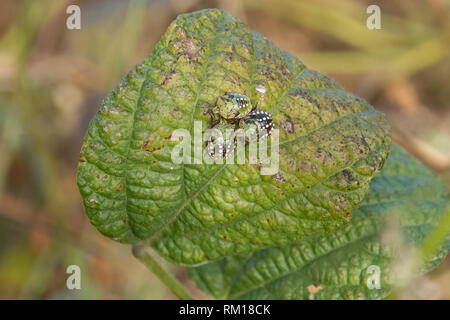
52 81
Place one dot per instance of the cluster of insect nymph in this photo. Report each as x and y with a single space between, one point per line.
234 111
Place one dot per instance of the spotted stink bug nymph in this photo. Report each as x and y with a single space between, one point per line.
221 143
233 106
258 124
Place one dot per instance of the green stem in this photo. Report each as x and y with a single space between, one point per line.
176 287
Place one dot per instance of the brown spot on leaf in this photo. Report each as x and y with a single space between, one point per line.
285 70
165 79
306 96
278 177
347 176
190 49
287 125
304 166
122 86
319 153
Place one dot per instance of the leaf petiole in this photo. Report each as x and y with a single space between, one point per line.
169 280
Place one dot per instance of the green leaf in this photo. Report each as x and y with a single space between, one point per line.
331 144
335 266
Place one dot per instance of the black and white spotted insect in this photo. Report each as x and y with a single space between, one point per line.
221 144
258 125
